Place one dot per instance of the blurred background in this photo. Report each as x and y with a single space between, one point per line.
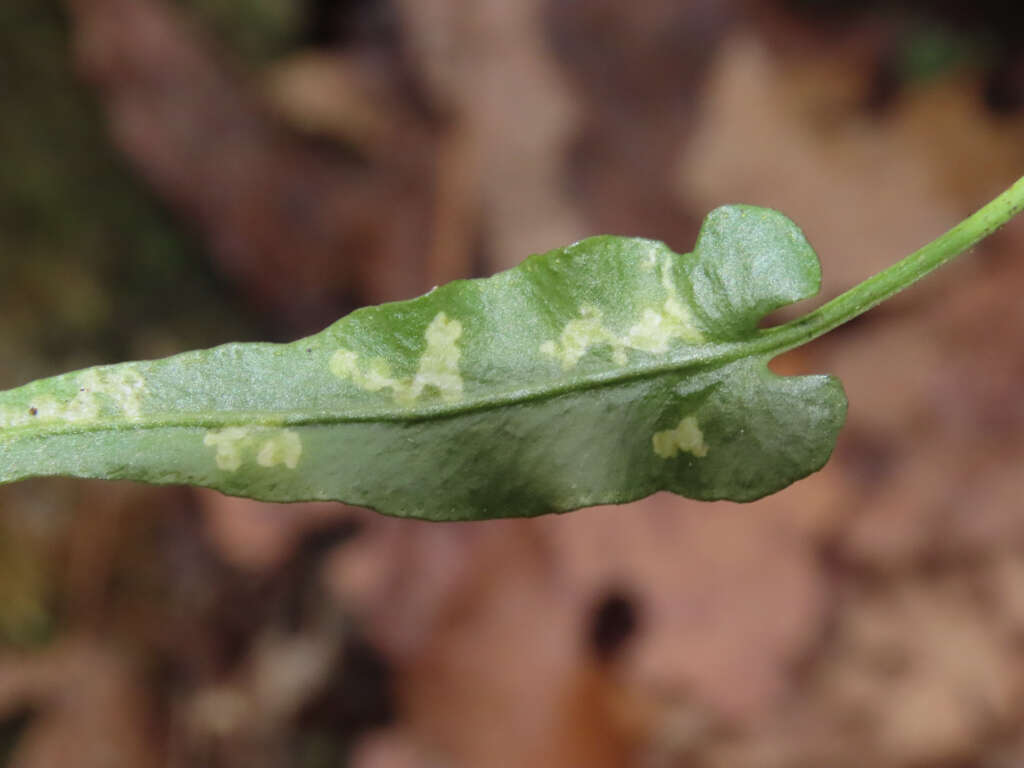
179 173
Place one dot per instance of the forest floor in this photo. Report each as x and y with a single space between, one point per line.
179 174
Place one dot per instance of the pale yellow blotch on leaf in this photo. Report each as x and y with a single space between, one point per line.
438 368
686 437
268 445
283 448
657 328
580 335
121 389
125 386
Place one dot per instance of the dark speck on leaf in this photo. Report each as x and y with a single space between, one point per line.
33 411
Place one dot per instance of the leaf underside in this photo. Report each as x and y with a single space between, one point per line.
597 373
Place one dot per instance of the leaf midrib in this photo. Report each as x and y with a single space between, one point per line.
710 357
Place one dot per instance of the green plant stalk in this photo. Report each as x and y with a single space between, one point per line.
900 275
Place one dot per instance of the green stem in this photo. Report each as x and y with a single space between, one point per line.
900 275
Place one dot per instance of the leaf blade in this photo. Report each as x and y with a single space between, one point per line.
596 373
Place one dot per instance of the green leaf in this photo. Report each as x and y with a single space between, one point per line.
597 373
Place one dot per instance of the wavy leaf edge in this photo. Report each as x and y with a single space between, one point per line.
596 373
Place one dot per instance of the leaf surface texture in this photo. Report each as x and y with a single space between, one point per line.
596 373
